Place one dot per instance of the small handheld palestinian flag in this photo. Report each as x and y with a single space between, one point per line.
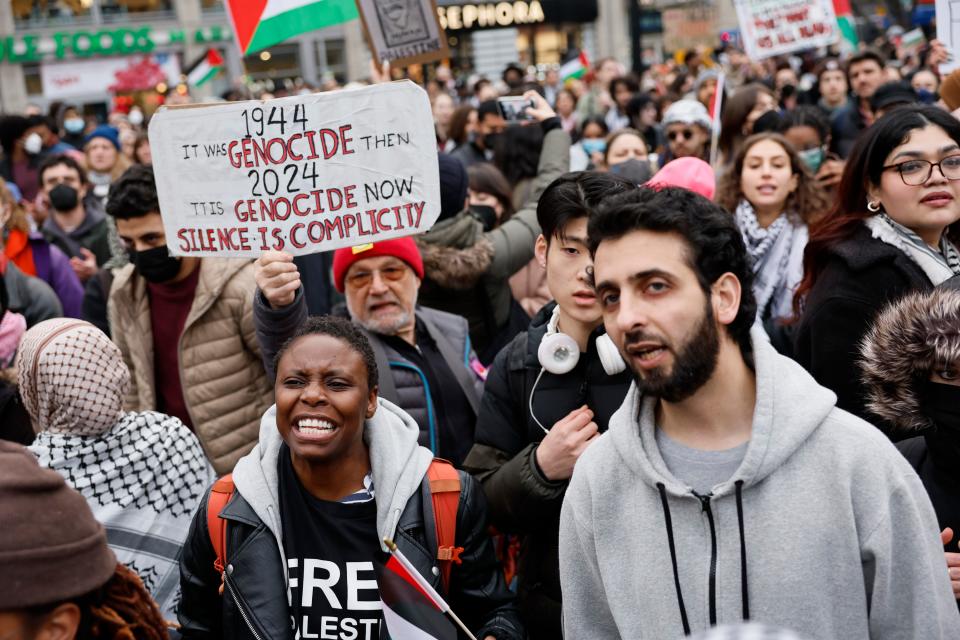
575 67
412 608
204 69
716 107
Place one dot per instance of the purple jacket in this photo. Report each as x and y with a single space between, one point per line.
53 267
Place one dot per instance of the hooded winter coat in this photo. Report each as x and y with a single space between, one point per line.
522 500
913 338
824 528
253 604
468 271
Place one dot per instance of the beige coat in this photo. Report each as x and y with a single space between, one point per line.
224 384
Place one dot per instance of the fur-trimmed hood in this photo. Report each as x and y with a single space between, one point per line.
909 339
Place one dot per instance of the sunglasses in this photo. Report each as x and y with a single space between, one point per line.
687 134
363 279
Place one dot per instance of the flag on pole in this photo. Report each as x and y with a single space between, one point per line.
575 67
258 24
716 107
848 28
408 611
204 69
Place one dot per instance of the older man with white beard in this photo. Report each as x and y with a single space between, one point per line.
434 374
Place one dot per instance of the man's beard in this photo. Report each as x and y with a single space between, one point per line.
385 326
694 363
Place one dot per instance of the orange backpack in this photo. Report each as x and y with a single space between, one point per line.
444 489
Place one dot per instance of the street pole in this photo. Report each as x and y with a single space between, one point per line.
634 15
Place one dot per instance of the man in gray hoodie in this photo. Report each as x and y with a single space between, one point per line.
731 487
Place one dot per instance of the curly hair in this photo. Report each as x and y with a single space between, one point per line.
808 200
134 194
715 244
341 329
18 216
121 609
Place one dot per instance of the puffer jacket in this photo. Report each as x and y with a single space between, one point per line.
224 384
467 270
406 385
521 500
253 603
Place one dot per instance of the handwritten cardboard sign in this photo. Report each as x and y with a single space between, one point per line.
302 174
775 27
403 32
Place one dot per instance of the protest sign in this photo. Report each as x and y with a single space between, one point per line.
302 174
948 32
775 27
403 32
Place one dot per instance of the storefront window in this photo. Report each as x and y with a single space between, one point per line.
118 10
32 13
276 63
332 57
212 6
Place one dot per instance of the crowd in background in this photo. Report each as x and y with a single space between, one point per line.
828 183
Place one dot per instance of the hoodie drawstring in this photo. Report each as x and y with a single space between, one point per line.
673 557
744 591
744 595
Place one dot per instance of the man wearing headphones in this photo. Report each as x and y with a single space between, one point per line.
549 393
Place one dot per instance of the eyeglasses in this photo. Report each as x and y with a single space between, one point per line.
363 279
686 133
916 172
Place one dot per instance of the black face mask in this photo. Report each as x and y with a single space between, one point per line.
941 403
490 140
155 265
485 214
63 197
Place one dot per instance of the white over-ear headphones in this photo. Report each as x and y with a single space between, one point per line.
558 353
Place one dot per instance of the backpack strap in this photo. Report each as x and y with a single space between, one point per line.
219 496
445 494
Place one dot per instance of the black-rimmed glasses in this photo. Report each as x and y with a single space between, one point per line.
916 172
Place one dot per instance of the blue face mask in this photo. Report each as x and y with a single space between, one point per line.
592 145
813 158
926 97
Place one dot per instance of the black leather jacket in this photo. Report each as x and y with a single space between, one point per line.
254 603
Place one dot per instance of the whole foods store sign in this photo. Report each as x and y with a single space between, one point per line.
102 42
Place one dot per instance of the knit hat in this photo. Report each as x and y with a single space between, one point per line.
950 91
52 548
453 186
403 248
687 112
690 173
104 131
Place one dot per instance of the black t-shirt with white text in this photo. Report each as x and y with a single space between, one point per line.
330 548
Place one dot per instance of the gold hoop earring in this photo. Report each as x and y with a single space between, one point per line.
873 207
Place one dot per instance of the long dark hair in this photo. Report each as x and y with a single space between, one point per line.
863 169
735 113
807 201
517 152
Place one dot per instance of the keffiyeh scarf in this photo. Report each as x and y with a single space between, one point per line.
143 480
776 253
937 265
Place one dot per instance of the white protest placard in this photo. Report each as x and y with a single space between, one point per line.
775 27
948 32
302 174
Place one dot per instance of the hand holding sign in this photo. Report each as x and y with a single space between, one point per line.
300 175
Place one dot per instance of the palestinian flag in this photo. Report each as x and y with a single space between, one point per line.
575 67
259 24
205 68
848 28
408 610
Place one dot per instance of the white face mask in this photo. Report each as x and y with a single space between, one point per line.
135 117
33 144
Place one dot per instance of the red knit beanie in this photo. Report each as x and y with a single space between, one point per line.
403 248
52 548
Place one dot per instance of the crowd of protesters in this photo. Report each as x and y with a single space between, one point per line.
684 346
